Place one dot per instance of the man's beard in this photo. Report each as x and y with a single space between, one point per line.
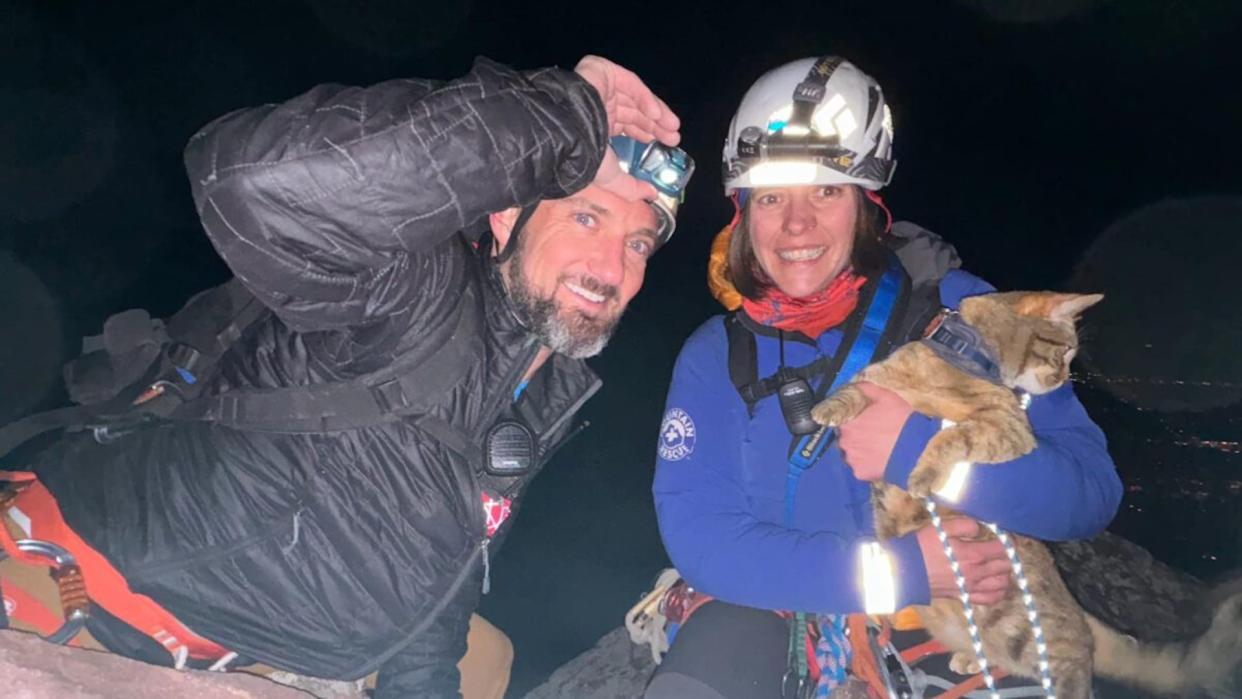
566 331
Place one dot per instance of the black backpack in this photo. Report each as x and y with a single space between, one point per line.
142 369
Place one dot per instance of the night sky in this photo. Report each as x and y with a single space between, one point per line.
1086 144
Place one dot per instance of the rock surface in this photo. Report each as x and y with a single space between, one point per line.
34 669
615 668
1120 583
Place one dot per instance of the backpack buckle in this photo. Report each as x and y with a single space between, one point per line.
184 359
109 432
390 396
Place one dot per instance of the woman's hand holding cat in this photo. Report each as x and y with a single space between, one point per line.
983 563
868 439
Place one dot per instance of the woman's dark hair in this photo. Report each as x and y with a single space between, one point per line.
869 257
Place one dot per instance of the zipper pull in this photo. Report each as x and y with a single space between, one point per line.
487 567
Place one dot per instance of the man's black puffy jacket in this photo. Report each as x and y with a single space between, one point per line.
342 210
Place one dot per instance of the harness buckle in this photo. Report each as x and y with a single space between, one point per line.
937 320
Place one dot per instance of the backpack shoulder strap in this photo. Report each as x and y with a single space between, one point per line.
743 359
208 324
397 392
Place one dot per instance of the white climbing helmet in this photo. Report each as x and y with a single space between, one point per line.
812 121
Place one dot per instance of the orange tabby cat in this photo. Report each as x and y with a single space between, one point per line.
1032 338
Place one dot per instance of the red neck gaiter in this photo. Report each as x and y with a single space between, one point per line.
811 315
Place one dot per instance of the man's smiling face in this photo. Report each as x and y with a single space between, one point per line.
577 264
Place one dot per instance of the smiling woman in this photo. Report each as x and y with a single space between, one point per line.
799 238
755 513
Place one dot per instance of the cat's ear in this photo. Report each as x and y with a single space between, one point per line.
1053 305
1070 306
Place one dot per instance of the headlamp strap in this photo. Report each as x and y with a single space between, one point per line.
809 93
518 224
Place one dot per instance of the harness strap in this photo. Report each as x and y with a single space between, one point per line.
964 688
913 654
865 665
861 350
798 648
103 584
31 611
961 345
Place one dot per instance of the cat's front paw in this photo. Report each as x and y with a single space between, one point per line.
964 663
839 408
828 412
924 480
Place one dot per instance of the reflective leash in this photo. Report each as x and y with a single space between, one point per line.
1028 600
1032 614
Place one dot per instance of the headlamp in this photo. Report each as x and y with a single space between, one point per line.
789 149
667 168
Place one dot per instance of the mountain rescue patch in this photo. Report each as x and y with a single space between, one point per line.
676 435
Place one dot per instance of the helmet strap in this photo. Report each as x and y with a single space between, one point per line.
878 201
